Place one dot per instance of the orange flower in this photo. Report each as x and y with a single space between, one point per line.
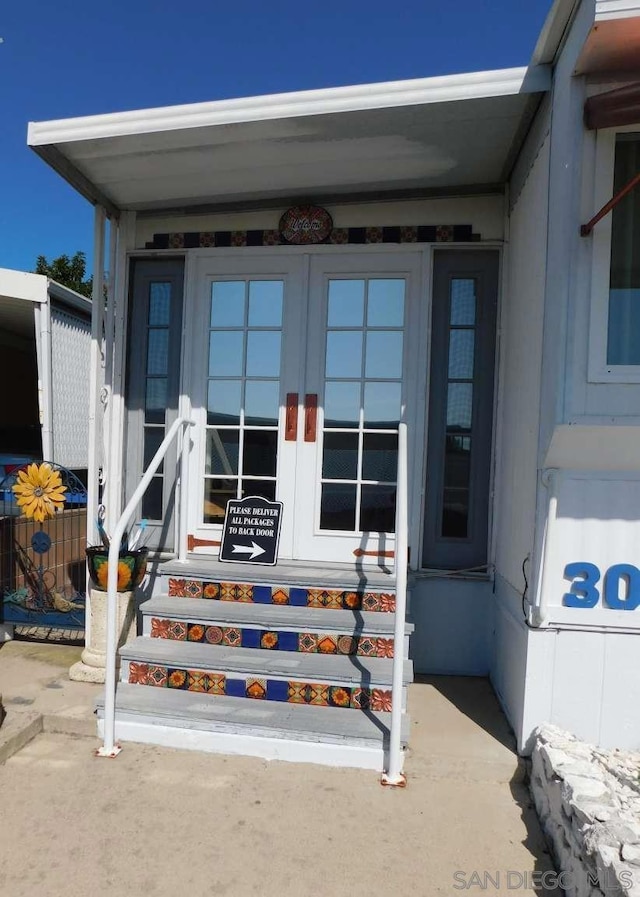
196 633
340 697
139 673
39 491
124 575
269 640
384 647
388 603
159 628
381 700
177 679
352 599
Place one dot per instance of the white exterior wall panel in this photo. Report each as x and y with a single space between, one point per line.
453 621
520 372
70 348
509 657
583 665
519 386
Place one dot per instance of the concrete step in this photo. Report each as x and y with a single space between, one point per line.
297 666
349 577
230 725
278 628
271 616
281 595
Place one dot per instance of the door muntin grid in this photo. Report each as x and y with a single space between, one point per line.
243 392
363 371
459 408
156 380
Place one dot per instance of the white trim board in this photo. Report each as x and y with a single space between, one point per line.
441 89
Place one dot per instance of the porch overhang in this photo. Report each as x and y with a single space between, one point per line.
457 133
613 42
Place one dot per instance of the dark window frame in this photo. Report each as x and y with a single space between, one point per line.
439 551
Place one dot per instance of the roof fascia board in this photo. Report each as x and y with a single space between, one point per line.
554 32
23 285
79 181
449 88
69 298
333 199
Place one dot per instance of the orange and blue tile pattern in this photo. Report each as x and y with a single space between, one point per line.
290 692
295 597
272 639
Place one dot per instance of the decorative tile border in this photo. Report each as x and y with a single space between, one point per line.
296 597
272 640
429 233
290 692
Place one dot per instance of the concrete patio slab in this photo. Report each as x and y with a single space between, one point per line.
158 822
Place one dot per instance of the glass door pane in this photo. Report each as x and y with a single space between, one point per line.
153 389
243 392
361 353
362 401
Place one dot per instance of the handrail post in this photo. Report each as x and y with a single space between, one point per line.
109 747
184 499
539 611
394 774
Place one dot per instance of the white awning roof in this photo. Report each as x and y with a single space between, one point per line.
434 134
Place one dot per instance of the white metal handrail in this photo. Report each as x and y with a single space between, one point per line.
109 747
540 610
394 774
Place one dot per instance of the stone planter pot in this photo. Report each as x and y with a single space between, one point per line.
132 565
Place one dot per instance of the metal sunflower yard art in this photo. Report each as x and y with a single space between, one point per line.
39 491
42 532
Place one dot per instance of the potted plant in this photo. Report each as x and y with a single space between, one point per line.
132 561
132 566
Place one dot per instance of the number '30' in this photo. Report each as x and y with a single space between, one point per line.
620 591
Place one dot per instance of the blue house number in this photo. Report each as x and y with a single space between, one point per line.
585 578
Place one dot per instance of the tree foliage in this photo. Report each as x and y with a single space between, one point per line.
70 272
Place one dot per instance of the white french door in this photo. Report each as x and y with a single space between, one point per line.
299 374
359 356
247 330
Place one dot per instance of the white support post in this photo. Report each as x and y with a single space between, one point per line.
107 391
125 241
95 387
183 496
394 774
46 376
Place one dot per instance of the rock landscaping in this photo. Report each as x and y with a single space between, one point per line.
588 801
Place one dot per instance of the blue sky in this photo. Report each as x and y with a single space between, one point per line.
62 59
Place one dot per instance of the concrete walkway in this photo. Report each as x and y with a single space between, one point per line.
157 822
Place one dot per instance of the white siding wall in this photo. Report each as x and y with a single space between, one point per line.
585 682
520 372
583 679
452 619
70 348
521 334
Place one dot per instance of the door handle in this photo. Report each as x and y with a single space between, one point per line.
291 418
310 417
